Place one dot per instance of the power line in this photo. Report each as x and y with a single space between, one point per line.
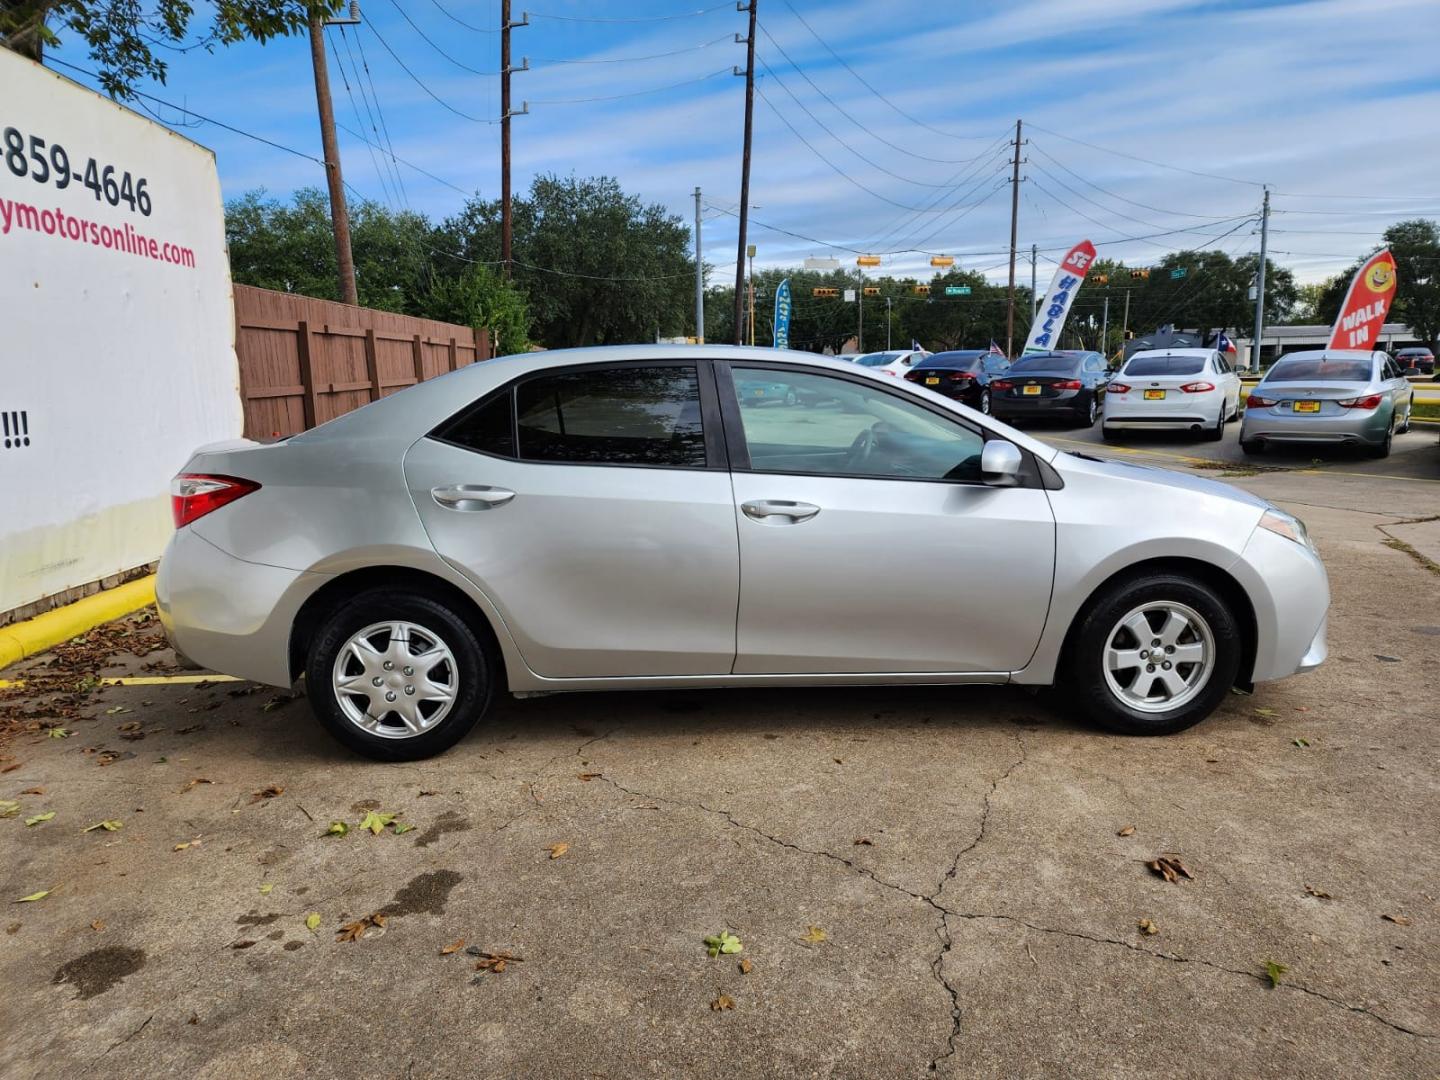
638 19
408 164
1147 161
456 19
365 97
1126 237
690 273
426 38
375 95
418 82
635 93
1114 195
866 84
381 173
632 59
989 159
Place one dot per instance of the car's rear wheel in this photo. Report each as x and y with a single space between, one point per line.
397 676
1409 416
1153 655
1216 433
1382 450
1252 446
1087 418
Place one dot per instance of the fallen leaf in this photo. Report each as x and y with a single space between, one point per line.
267 888
266 793
241 944
588 776
337 828
1128 830
113 825
813 936
376 822
1171 869
34 896
312 921
723 1002
1148 927
425 794
723 942
1264 712
1300 742
558 848
864 841
33 791
59 733
9 808
496 961
186 844
454 946
115 710
97 925
1398 920
401 828
38 818
745 966
1273 971
1320 894
837 761
354 931
196 782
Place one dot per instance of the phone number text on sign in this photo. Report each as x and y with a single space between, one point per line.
44 163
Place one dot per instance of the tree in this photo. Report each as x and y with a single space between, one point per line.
483 299
597 266
1416 247
123 36
1307 302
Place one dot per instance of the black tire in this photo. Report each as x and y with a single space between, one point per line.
1252 446
984 405
1090 415
475 674
1109 434
1084 676
1409 417
1217 433
1383 450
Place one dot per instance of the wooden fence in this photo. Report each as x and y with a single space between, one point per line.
304 361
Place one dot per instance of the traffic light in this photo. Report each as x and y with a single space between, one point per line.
1103 279
920 290
872 290
1137 274
827 293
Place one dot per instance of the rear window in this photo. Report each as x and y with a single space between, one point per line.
1320 371
1067 364
878 359
968 360
1165 365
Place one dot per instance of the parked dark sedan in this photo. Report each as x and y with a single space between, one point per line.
963 374
1421 359
1061 385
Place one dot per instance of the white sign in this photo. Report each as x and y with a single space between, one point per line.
1050 319
117 335
849 296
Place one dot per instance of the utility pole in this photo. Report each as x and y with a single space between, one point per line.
1034 299
750 254
1260 284
506 70
887 324
699 279
1105 328
1014 224
339 214
745 159
1125 323
860 307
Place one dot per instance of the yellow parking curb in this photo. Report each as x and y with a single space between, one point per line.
45 631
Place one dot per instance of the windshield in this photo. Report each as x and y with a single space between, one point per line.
1165 365
1067 364
1320 371
878 359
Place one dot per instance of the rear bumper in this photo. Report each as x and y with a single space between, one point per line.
1158 422
1267 425
1067 401
227 614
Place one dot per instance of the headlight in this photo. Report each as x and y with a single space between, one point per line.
1288 526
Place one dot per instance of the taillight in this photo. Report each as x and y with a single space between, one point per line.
960 376
1198 387
1068 384
193 495
1117 388
1255 401
1001 384
913 376
1371 402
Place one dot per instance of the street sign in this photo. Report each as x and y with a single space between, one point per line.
849 296
816 263
1177 272
957 290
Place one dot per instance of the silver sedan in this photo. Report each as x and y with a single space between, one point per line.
612 519
1329 396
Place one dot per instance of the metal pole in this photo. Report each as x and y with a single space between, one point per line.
1105 329
887 324
1014 223
1034 299
745 167
860 304
699 278
752 295
505 223
339 215
1260 284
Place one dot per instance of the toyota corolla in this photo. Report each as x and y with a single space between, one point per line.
612 519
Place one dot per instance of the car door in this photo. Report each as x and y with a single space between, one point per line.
869 544
592 505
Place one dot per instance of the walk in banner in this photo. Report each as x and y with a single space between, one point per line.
782 315
1045 330
1362 316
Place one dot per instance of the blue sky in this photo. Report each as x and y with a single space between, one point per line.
1330 102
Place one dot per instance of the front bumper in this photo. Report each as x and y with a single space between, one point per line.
1289 592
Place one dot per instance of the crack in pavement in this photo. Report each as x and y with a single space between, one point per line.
121 1042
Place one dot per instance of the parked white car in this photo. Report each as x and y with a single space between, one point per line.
893 361
1173 389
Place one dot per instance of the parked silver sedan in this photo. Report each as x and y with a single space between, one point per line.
612 519
1329 396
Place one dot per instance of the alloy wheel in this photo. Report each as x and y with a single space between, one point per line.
1159 656
395 679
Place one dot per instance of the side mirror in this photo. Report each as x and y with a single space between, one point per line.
1000 463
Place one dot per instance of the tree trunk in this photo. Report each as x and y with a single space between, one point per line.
21 22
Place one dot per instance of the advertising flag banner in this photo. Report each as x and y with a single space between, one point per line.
1366 304
782 315
1045 331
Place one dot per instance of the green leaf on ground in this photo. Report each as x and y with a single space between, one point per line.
312 921
112 825
115 710
401 828
34 896
723 942
376 822
1300 741
337 828
9 808
59 733
38 818
1273 971
267 888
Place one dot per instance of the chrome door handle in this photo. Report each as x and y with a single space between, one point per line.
762 509
471 496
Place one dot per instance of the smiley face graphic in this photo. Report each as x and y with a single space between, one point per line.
1380 278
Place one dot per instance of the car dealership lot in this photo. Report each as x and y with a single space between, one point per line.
958 849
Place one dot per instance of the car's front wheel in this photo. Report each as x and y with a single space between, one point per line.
1153 655
397 676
